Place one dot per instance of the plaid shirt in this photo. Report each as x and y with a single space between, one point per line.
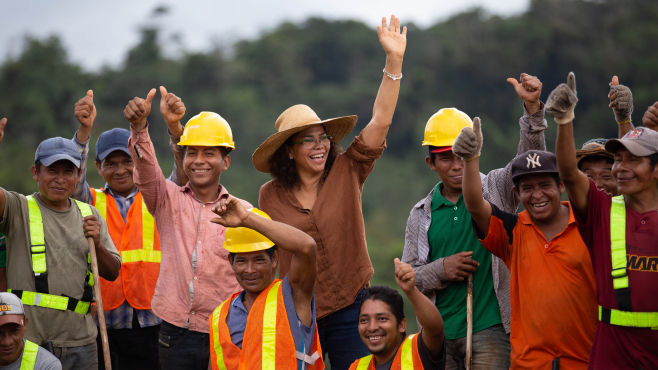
122 316
497 188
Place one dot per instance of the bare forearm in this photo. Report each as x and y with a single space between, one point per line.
284 236
479 208
108 265
429 318
385 103
625 128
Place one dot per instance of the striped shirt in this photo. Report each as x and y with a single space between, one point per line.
497 188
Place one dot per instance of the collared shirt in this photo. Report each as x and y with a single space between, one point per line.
335 223
497 187
552 291
122 316
195 274
451 233
619 347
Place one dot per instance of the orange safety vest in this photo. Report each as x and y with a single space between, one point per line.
407 357
138 242
268 343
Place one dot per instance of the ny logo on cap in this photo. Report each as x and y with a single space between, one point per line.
533 159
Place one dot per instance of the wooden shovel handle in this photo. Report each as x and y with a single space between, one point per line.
99 304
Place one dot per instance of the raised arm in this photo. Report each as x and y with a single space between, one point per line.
650 118
560 105
426 312
532 123
621 102
147 174
3 123
303 268
394 43
85 112
468 146
173 109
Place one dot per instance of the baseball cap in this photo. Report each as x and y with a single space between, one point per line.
640 141
55 149
112 140
11 309
534 161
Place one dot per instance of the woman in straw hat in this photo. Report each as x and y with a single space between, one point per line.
317 189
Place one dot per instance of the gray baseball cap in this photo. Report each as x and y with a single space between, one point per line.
11 309
640 141
56 149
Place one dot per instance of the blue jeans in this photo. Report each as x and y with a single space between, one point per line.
339 336
182 349
491 350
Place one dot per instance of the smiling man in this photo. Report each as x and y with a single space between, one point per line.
552 283
441 246
382 327
195 274
271 322
48 264
15 352
620 233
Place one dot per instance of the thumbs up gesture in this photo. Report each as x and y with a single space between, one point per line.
138 110
173 110
3 122
85 110
621 101
405 276
468 144
529 89
562 101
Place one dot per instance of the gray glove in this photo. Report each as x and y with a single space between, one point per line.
624 103
562 101
468 144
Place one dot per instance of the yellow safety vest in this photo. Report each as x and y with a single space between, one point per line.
29 355
42 298
624 316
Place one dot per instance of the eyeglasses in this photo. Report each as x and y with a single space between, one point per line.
311 142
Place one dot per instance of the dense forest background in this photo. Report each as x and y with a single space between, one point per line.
335 67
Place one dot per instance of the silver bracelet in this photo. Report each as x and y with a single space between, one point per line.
392 76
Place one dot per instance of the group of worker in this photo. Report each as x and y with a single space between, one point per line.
188 271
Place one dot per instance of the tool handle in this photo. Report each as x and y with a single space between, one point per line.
556 364
99 304
469 322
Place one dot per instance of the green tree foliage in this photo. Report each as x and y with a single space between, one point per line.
335 67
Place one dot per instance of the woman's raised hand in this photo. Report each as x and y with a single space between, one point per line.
393 39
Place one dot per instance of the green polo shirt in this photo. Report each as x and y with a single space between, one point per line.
451 232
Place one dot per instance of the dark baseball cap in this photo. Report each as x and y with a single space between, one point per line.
112 140
640 141
534 161
11 309
56 149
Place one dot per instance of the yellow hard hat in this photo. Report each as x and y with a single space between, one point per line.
207 129
243 239
444 126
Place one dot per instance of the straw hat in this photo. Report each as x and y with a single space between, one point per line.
293 120
593 147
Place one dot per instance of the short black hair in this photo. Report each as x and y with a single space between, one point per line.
595 159
387 295
270 252
554 175
222 149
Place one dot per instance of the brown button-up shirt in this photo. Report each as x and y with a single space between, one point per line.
336 224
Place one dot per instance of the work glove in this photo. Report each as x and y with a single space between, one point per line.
622 103
468 144
562 101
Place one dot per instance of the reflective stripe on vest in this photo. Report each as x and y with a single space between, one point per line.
364 363
269 327
404 358
407 359
29 355
214 332
620 275
42 298
146 254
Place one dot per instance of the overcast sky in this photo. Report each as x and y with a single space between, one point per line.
99 33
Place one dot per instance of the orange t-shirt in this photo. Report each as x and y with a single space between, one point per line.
552 291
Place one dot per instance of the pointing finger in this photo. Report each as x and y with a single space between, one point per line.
571 82
150 96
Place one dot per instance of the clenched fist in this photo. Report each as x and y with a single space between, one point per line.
650 119
621 101
562 101
138 110
468 144
92 229
3 123
458 266
173 110
405 276
528 89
